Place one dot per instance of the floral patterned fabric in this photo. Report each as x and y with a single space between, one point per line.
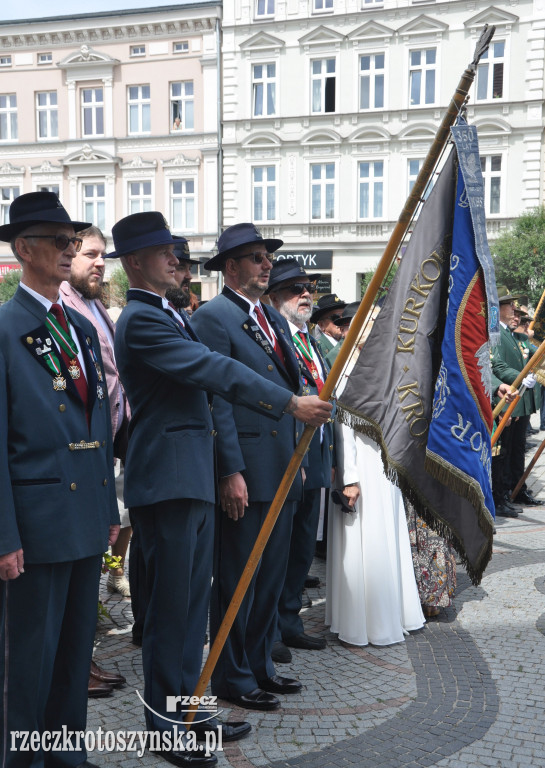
434 562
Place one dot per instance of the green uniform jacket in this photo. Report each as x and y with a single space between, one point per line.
507 362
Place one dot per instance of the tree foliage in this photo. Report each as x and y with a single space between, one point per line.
519 256
119 285
9 284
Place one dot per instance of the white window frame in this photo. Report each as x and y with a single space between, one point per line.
10 113
184 225
55 188
322 184
5 61
488 176
144 201
183 46
97 215
264 83
13 191
48 109
322 78
182 103
45 58
374 73
423 68
323 6
264 186
94 106
373 182
485 65
139 104
264 9
370 4
137 50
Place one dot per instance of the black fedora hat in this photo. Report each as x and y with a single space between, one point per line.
235 236
140 230
181 250
326 304
287 269
348 314
37 208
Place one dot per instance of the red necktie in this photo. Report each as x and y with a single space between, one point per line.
262 320
72 363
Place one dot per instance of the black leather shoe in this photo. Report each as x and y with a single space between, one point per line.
502 511
526 498
112 678
281 654
307 642
311 582
186 759
277 684
137 640
256 699
509 504
229 731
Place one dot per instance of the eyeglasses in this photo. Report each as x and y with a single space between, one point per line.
298 288
61 241
257 257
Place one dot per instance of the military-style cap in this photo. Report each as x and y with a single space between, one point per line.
235 236
287 269
326 304
37 208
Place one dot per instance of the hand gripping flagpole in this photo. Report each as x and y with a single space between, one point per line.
532 363
351 339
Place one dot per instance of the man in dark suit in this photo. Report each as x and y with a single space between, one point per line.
290 291
507 363
59 508
169 472
252 457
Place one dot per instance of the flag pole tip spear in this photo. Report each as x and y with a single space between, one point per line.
482 44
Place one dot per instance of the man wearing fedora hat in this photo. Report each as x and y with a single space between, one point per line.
507 362
169 472
181 295
290 291
327 309
59 508
252 458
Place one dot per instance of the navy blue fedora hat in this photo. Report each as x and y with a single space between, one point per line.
140 230
235 236
181 250
287 269
37 208
326 304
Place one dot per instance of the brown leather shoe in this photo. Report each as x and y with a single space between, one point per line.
111 678
97 689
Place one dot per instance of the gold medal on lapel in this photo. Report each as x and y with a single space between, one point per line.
99 372
59 383
73 369
100 392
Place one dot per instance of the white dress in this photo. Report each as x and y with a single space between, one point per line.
371 592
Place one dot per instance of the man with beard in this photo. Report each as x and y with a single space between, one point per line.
290 291
83 293
180 296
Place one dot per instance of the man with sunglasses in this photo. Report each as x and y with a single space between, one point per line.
59 509
290 291
328 308
252 458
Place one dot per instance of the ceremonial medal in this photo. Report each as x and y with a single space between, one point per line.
99 372
100 392
74 370
59 383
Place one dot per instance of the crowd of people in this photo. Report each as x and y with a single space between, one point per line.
199 410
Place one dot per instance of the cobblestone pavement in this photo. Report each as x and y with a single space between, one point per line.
464 692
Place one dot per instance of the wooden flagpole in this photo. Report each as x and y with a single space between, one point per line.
528 368
537 310
505 418
527 471
396 238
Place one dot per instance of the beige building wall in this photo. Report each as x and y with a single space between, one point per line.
89 108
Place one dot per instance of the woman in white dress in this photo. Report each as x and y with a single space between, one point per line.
371 595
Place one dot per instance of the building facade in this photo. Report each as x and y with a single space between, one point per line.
330 106
117 113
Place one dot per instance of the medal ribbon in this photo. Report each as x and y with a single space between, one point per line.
303 346
58 325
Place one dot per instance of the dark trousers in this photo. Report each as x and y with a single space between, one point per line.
137 582
302 546
246 656
176 539
49 617
514 445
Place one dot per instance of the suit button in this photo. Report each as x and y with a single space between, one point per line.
105 481
245 326
274 433
330 447
270 367
73 486
269 407
62 407
213 433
